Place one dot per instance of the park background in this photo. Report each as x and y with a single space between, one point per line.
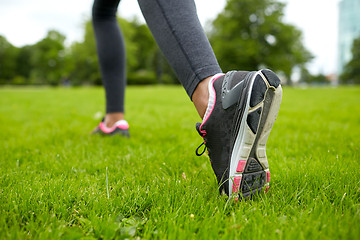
59 182
306 48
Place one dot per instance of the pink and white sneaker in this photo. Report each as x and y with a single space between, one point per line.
119 128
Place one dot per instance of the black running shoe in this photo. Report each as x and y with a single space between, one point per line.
119 128
242 110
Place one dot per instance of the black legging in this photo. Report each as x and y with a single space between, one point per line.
176 29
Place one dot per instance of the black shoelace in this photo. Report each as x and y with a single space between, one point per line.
198 148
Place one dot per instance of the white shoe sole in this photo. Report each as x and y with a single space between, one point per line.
249 169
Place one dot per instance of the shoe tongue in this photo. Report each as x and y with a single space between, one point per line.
232 88
238 77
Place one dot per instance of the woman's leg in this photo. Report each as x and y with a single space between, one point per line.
242 106
111 53
179 34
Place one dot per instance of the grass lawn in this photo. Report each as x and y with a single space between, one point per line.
57 181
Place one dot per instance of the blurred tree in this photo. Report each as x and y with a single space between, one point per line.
351 73
8 56
84 63
317 79
48 59
150 62
146 48
50 62
250 34
144 62
23 64
307 77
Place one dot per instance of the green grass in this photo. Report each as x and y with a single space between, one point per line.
53 173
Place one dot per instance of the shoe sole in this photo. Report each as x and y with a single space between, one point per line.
249 169
117 131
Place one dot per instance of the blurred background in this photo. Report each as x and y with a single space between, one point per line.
304 41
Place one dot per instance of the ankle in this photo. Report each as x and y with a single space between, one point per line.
200 96
112 118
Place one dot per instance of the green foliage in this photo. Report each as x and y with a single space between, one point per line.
83 57
141 77
306 77
351 73
8 56
42 63
250 34
143 62
319 79
50 62
25 63
149 59
48 59
53 178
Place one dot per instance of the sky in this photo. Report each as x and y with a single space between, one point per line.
25 22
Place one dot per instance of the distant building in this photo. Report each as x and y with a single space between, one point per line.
349 29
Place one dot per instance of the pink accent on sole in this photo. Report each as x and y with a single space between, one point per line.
241 166
268 176
109 130
267 189
124 127
236 185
